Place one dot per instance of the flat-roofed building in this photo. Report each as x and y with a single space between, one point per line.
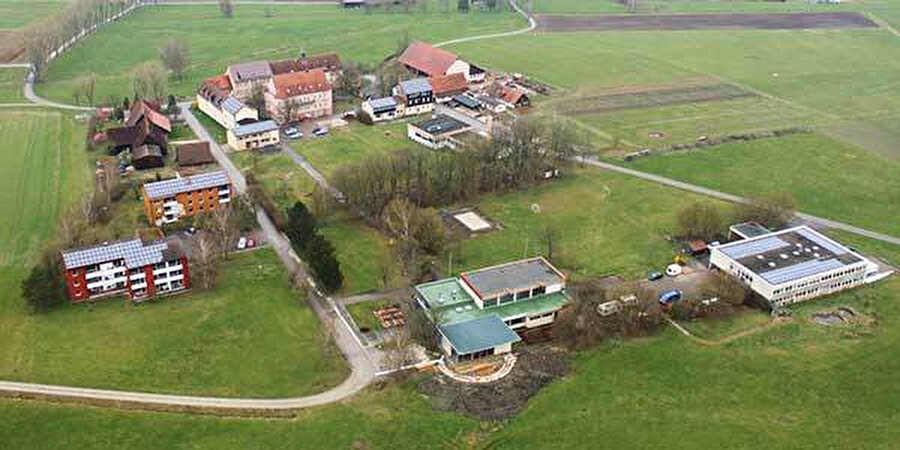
480 312
438 132
168 200
382 109
254 135
791 265
135 268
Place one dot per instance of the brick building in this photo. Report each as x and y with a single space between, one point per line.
138 269
167 201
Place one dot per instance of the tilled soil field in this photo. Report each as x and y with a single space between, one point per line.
788 21
536 367
657 97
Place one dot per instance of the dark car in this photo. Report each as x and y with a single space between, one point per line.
653 276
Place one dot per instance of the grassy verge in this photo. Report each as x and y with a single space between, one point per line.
364 313
350 144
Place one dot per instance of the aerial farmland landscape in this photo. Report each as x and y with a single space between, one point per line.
480 224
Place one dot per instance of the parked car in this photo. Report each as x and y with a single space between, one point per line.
251 243
242 243
320 131
670 297
653 276
293 133
673 270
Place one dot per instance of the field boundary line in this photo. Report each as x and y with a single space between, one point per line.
883 23
727 339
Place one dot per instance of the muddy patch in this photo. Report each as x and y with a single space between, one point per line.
537 366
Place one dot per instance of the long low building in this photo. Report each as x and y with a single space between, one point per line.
440 131
792 265
479 313
135 268
254 135
168 200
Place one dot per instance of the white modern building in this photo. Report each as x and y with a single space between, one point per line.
792 265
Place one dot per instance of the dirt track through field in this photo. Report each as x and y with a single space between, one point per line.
790 21
652 98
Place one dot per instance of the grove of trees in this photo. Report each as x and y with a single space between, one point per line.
313 247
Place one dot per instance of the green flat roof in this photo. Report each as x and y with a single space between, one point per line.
444 293
455 313
478 334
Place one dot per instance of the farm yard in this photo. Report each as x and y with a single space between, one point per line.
266 33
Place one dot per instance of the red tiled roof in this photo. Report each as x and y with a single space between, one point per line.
221 82
289 85
329 62
448 84
512 96
425 58
141 109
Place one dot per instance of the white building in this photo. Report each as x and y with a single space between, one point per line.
254 135
438 132
792 265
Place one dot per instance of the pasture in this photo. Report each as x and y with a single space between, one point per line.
351 144
16 14
11 83
826 177
265 33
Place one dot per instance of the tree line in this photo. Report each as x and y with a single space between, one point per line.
514 158
313 247
45 39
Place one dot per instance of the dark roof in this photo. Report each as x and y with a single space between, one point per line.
250 71
749 230
329 62
215 89
380 105
194 153
441 124
168 188
146 151
467 101
415 86
512 277
427 59
478 334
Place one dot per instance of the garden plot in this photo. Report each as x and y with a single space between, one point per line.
654 98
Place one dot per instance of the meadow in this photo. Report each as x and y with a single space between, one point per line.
361 250
197 343
265 33
16 14
11 82
351 144
826 177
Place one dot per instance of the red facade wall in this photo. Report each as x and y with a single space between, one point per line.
187 275
77 293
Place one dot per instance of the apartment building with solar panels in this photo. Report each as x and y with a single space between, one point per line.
792 265
168 200
135 268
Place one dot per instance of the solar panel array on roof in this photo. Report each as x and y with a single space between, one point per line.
383 104
232 105
743 249
822 241
416 86
168 188
797 271
262 126
134 252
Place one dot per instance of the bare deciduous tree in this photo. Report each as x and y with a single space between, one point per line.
150 81
226 7
205 261
174 56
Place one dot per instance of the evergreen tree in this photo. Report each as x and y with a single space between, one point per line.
43 288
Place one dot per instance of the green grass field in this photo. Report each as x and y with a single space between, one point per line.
361 249
826 177
364 313
350 144
11 83
355 35
607 224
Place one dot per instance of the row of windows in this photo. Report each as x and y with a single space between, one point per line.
509 298
843 273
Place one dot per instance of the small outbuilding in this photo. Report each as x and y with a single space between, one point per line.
194 154
147 157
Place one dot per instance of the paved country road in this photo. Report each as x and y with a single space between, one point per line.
815 220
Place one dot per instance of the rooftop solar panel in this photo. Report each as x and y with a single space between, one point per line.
256 127
134 252
802 270
415 86
232 105
168 188
822 241
743 249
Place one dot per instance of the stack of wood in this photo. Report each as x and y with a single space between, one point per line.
390 317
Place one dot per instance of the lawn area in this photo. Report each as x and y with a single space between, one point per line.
201 343
607 224
798 385
355 35
577 7
18 13
216 131
826 177
11 83
361 250
351 144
